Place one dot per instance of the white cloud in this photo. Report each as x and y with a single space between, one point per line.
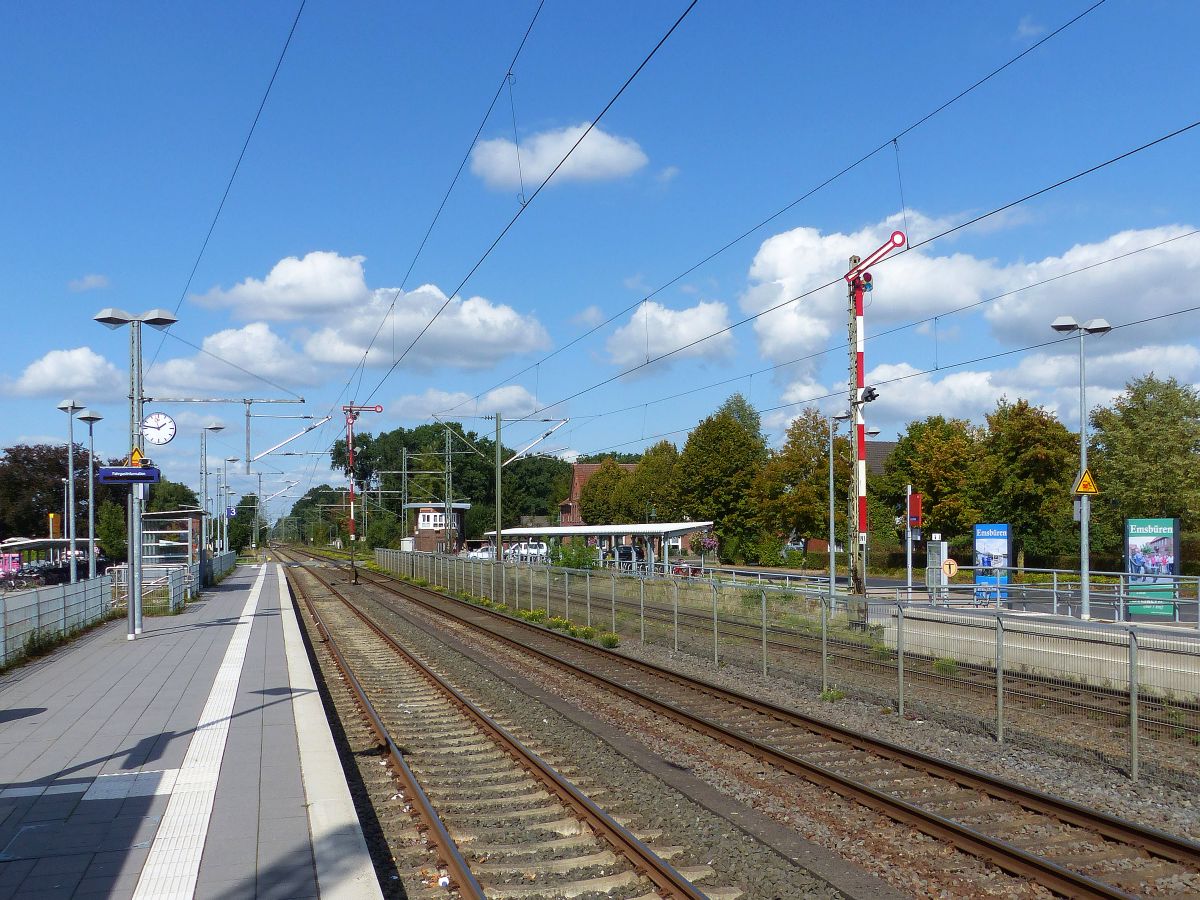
912 284
509 400
80 371
589 317
1136 287
1028 29
469 334
670 173
654 329
322 283
253 347
91 282
601 156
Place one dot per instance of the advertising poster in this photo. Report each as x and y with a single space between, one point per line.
1152 562
993 547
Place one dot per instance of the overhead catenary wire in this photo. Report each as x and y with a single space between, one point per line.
791 205
232 175
910 375
839 280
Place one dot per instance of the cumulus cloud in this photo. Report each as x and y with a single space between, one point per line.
653 330
589 317
600 157
80 371
510 400
322 283
90 282
469 334
255 348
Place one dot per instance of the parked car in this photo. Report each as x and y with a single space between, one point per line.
485 552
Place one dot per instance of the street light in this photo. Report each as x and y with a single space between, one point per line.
158 319
91 417
70 407
838 417
224 493
1067 325
204 490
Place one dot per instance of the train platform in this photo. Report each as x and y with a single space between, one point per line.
195 761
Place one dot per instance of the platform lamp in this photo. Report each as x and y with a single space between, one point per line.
204 482
226 493
70 407
159 319
1067 325
91 417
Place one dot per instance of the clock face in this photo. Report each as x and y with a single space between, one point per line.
158 428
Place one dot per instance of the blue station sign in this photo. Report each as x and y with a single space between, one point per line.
129 475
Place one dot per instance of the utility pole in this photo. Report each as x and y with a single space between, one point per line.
352 412
404 487
449 523
858 281
499 505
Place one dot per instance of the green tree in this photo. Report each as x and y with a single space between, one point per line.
171 495
599 500
649 492
792 488
745 415
112 530
941 458
1146 456
717 469
1026 477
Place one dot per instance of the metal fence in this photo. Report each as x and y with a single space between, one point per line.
1012 676
50 611
223 564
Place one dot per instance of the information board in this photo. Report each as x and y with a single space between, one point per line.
1152 562
993 549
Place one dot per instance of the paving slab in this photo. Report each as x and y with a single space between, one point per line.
191 762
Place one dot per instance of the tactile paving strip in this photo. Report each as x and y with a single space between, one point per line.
174 861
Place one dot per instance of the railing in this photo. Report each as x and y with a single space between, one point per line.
223 564
1127 693
30 615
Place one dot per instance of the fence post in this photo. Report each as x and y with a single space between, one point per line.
613 576
716 658
1133 705
642 604
1054 576
824 644
3 631
763 591
587 582
675 593
1000 678
547 590
900 658
567 592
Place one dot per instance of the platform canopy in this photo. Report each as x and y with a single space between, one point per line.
637 529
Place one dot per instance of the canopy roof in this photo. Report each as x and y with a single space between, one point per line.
642 529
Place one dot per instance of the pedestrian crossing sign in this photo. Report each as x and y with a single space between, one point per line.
1086 483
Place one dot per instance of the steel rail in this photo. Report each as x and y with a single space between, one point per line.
1007 856
665 878
449 856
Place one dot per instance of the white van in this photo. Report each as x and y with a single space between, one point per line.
531 551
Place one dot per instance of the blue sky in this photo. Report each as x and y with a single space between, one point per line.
123 124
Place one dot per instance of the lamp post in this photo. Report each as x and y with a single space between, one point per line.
839 417
70 407
227 493
1067 325
159 319
204 490
91 417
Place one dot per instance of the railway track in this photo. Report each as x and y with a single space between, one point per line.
1069 849
1176 720
502 821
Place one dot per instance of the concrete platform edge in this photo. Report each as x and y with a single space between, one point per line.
344 869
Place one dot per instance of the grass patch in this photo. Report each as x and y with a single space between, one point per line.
945 666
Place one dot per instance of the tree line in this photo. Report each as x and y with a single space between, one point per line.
1018 467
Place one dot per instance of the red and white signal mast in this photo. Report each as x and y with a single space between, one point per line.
859 281
352 412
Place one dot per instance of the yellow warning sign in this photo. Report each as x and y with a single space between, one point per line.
1086 483
135 457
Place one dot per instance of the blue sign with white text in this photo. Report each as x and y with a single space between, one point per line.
230 512
993 547
128 475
